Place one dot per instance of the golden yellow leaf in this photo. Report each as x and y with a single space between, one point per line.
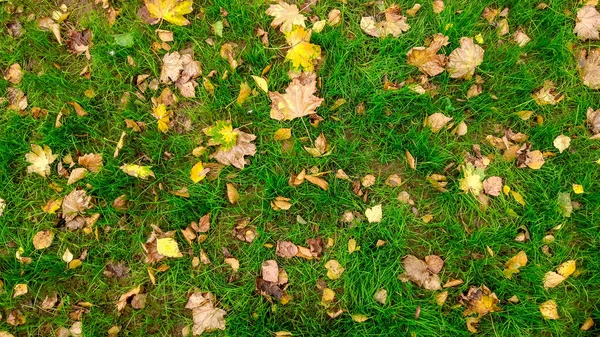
170 10
359 318
588 324
52 205
198 172
283 134
567 268
20 289
232 194
328 296
168 247
518 197
352 247
578 189
514 263
302 53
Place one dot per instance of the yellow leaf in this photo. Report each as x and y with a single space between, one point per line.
549 310
374 214
518 197
142 172
334 269
285 15
562 143
578 189
170 10
514 263
160 112
567 268
20 289
352 247
261 83
52 205
302 53
198 172
506 189
168 247
359 318
328 296
245 92
283 134
232 193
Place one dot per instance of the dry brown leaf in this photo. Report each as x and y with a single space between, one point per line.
587 23
91 161
381 296
552 279
235 155
40 160
322 183
427 59
492 186
232 194
463 60
394 23
286 249
418 271
43 239
588 324
76 175
14 74
562 143
593 121
521 38
298 101
20 290
80 42
438 6
207 317
270 271
411 161
480 301
436 121
74 205
589 67
281 203
321 149
547 94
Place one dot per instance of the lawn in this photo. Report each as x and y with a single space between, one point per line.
162 183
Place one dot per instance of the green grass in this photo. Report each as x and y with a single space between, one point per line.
354 66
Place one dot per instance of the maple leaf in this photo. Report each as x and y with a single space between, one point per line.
547 94
472 180
40 160
426 59
587 24
163 116
302 53
463 60
235 155
75 204
589 68
480 301
285 15
394 23
206 316
222 134
298 101
170 10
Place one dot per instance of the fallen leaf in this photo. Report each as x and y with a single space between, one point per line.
562 143
14 74
359 318
521 38
169 10
123 299
334 269
438 6
235 155
302 54
298 101
352 247
440 298
232 194
286 249
472 180
285 15
565 206
463 60
381 296
566 269
198 172
587 23
270 271
142 172
281 203
91 161
17 100
168 247
283 134
46 23
374 214
479 300
20 290
261 83
549 310
588 324
547 95
40 160
593 121
436 121
552 279
76 175
589 67
43 239
321 149
411 161
514 263
394 23
74 205
322 183
418 271
492 186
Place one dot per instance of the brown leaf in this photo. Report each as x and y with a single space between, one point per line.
298 101
74 205
123 299
593 121
286 249
589 67
116 270
14 74
235 155
270 271
434 263
547 95
76 175
43 239
418 272
492 186
206 316
322 183
17 100
394 23
91 161
427 59
232 194
316 247
281 203
463 60
587 23
437 121
80 42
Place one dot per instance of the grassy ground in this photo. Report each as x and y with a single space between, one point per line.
353 68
